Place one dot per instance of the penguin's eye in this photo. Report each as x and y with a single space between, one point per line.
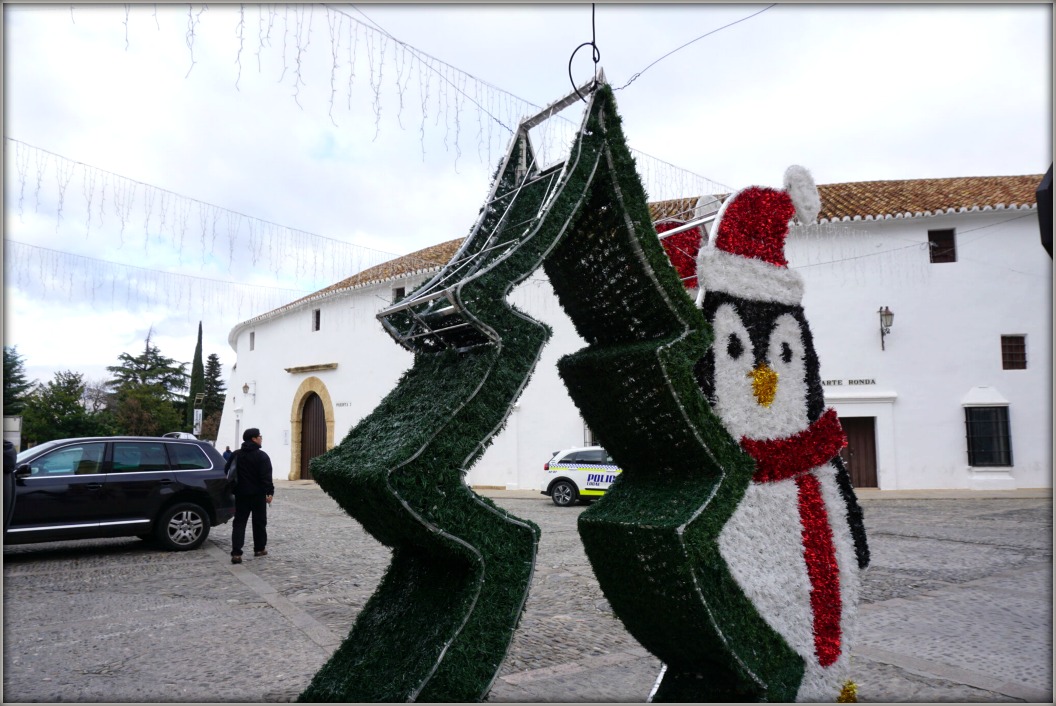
786 343
734 348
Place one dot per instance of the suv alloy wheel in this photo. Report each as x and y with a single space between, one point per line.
182 526
564 493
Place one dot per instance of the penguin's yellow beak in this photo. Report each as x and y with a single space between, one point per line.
764 384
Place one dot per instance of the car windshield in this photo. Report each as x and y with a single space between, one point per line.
34 450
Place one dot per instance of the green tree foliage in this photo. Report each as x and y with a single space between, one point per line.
16 386
210 427
197 379
148 392
143 411
149 369
55 411
215 389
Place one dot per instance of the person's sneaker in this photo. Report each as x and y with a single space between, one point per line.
236 558
262 552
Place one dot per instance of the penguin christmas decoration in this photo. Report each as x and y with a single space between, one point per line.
796 544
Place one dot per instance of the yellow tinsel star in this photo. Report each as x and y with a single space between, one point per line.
848 694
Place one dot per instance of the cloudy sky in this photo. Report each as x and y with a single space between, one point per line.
170 164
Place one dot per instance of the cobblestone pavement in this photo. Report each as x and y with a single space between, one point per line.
957 607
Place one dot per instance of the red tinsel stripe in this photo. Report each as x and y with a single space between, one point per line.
682 249
820 554
780 459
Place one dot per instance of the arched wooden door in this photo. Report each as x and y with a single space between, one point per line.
313 432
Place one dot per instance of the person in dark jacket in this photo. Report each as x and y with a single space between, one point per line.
10 459
253 493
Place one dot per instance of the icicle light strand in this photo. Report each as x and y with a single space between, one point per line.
166 211
48 274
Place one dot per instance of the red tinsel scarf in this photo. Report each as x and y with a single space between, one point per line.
794 457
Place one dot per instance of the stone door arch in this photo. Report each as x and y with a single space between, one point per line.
310 402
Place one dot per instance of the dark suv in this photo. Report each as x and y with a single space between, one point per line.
170 490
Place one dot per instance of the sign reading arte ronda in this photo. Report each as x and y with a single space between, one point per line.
731 545
851 381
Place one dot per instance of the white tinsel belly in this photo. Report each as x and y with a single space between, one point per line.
763 545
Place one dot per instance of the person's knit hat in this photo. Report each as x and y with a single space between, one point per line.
745 255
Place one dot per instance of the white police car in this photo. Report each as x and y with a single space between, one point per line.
582 473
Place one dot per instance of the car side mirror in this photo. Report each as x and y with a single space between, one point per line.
23 471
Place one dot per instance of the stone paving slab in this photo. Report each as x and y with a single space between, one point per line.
957 607
952 632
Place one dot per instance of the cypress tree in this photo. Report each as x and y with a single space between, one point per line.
214 387
197 379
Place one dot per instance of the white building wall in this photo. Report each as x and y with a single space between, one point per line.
369 365
545 419
945 341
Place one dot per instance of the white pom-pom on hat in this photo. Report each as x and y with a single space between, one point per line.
799 183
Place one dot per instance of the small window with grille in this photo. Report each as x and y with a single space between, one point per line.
1014 352
942 246
316 319
398 293
989 436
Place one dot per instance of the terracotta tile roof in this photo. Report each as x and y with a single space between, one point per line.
906 198
681 209
425 260
903 198
862 200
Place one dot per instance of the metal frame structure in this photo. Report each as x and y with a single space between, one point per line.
435 315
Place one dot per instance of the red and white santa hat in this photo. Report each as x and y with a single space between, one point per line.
745 252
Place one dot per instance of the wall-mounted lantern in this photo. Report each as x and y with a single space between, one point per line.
887 317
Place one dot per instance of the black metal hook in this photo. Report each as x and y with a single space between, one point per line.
596 55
